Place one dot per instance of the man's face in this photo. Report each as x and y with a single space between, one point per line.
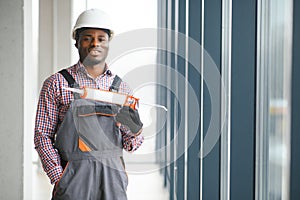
92 45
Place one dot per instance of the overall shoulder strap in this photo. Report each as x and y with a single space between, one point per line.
71 81
115 84
68 77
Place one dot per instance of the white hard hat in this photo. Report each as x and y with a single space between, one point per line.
93 18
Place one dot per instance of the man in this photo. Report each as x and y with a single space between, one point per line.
80 141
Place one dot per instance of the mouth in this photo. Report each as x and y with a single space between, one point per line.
95 51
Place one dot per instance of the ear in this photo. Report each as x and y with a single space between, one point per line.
76 44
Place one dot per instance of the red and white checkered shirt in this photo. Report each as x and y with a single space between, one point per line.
52 107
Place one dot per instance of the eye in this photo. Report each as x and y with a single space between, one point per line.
86 39
102 39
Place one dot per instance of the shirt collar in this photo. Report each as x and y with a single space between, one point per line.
81 68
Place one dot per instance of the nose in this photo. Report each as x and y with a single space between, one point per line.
95 43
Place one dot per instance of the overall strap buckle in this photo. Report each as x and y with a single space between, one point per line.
115 86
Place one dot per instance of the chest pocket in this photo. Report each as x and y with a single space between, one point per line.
95 125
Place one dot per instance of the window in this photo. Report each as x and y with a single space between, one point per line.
274 53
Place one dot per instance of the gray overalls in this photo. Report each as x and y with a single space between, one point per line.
90 146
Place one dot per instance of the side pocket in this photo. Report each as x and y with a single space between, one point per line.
61 177
123 164
124 174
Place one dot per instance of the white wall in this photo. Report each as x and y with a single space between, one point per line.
55 40
12 95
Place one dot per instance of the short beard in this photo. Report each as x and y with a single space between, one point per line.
90 62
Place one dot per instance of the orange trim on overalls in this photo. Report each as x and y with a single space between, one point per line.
83 147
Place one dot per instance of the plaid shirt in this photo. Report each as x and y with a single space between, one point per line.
52 107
